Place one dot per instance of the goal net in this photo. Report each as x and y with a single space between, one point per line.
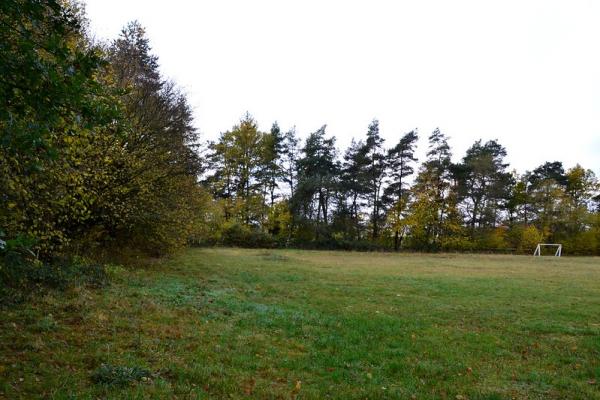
538 249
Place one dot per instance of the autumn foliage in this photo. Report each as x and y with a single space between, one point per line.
99 156
97 149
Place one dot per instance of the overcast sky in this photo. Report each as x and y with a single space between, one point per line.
525 72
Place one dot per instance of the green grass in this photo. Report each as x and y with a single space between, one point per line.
230 323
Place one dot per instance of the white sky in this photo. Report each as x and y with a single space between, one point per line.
525 72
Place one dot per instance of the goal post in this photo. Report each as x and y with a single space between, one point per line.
538 249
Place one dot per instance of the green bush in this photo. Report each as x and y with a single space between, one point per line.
584 243
239 235
338 244
116 375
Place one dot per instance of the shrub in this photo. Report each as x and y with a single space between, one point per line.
456 243
236 234
108 374
338 244
530 237
581 243
22 274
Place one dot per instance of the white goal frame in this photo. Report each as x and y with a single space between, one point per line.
538 249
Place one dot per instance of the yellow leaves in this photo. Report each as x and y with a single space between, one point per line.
296 390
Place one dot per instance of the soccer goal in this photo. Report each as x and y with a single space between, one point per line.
538 249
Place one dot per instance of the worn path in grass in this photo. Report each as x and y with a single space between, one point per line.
231 323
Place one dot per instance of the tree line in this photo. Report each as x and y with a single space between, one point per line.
99 157
273 189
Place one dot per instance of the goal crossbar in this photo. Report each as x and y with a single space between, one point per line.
538 249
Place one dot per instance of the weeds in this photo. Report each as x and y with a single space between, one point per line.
117 375
22 277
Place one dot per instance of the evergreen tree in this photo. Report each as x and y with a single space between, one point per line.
483 183
317 180
432 191
353 186
272 172
549 171
375 172
290 155
396 195
135 67
547 190
158 180
518 200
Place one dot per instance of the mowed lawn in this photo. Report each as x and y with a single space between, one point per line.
292 324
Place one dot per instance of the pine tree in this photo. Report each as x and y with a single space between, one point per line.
318 172
272 172
400 163
431 192
375 172
290 155
482 183
157 184
353 185
547 188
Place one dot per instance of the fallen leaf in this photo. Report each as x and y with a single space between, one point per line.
296 389
249 387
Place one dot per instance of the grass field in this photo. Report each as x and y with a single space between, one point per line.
230 323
